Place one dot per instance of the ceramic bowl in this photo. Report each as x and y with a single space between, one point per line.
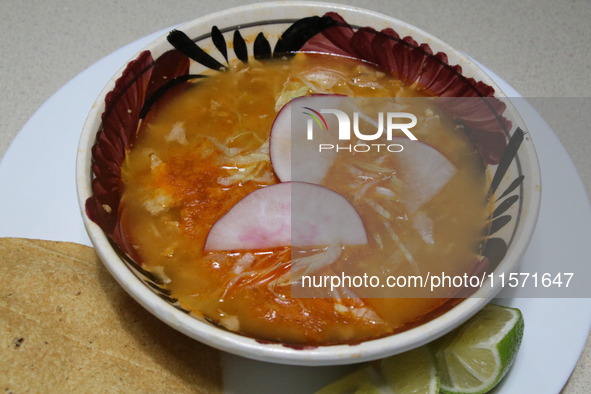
274 29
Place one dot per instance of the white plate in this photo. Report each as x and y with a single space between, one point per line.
38 200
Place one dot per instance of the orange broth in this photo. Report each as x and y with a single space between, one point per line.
202 149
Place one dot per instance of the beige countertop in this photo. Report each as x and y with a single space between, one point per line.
540 47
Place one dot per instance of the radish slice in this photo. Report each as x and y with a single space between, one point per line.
423 170
280 144
294 157
309 164
291 213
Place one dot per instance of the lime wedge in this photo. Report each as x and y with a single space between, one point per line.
475 357
361 381
471 359
411 372
407 373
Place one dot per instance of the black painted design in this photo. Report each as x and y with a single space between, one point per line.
129 261
240 47
150 101
499 223
159 289
165 297
290 41
495 250
507 158
148 279
187 47
504 206
262 48
512 186
509 155
294 38
180 308
219 41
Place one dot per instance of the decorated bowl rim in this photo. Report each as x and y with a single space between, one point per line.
273 352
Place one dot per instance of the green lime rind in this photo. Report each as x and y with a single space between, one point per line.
477 355
406 373
509 346
411 372
472 359
364 380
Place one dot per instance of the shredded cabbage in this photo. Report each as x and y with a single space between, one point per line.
230 152
247 167
373 167
289 92
324 78
378 208
424 225
308 265
353 170
264 148
331 255
250 134
247 159
379 241
402 248
397 184
361 192
244 262
385 192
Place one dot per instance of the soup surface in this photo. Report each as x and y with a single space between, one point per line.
205 146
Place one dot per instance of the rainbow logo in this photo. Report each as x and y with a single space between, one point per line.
316 117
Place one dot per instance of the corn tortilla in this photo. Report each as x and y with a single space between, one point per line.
67 326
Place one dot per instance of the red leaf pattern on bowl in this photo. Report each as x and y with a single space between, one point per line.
169 65
120 120
415 63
